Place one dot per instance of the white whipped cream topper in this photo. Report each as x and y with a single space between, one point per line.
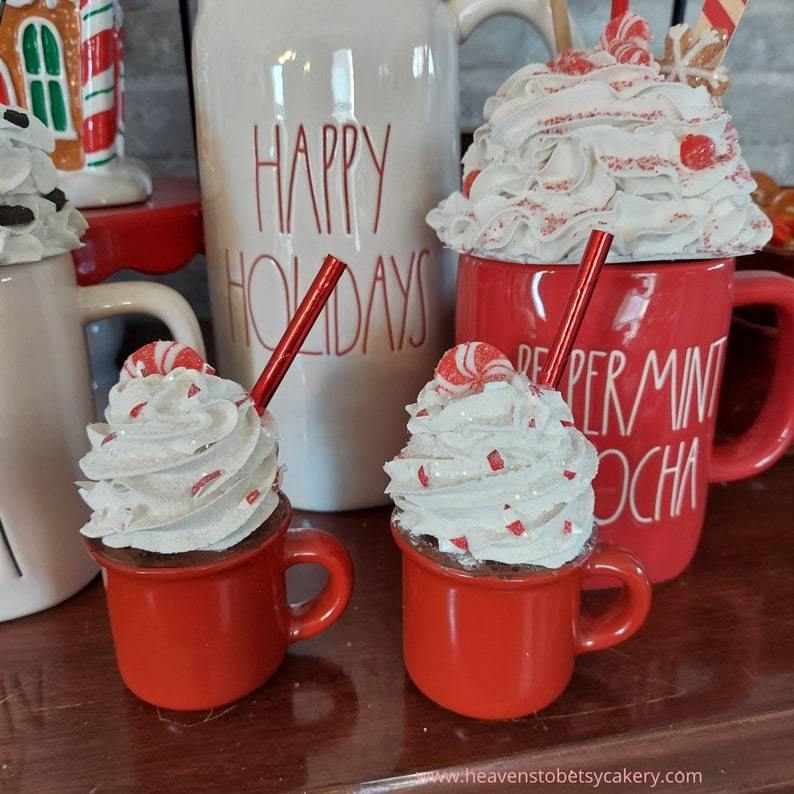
183 461
36 220
494 465
600 138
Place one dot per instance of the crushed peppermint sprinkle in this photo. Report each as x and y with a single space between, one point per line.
204 481
646 163
567 527
551 223
741 176
108 438
568 474
516 527
561 186
461 543
136 410
424 412
423 478
253 496
193 391
567 118
242 402
532 423
496 461
565 423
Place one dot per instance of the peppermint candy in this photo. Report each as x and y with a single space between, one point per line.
469 367
512 521
201 484
628 38
160 358
496 461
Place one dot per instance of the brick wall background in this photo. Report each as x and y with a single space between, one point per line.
761 100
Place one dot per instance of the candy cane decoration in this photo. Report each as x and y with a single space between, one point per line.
99 56
628 39
722 15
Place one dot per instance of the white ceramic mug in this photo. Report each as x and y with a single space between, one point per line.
330 126
45 405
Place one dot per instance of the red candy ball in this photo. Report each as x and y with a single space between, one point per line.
469 367
698 152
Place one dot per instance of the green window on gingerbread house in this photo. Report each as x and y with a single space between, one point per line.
46 83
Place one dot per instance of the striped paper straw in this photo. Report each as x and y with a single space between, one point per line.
721 14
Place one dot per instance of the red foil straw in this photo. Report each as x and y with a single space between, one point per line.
619 8
297 331
595 254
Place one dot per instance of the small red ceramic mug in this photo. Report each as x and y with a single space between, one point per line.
501 648
643 383
198 637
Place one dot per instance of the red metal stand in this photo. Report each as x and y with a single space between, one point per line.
158 236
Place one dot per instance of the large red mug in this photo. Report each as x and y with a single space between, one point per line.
501 648
643 383
193 638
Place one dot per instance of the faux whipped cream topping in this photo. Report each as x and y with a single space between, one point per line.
561 152
500 472
36 220
183 462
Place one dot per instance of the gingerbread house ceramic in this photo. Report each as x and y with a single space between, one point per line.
62 61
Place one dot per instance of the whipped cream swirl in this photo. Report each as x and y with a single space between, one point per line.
183 462
36 220
500 473
562 152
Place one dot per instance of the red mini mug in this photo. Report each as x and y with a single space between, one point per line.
198 637
643 383
501 648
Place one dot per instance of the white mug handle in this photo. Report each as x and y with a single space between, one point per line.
468 14
140 297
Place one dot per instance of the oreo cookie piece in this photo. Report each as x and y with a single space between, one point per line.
58 198
15 215
17 117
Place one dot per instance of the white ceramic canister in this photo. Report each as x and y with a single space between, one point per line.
45 404
329 126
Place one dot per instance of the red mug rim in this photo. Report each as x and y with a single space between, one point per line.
193 571
515 582
667 264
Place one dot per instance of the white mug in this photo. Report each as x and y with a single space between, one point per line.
45 405
330 126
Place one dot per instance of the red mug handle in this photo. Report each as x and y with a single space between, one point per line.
628 613
769 437
317 614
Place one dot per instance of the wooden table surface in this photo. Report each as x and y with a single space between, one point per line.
707 686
